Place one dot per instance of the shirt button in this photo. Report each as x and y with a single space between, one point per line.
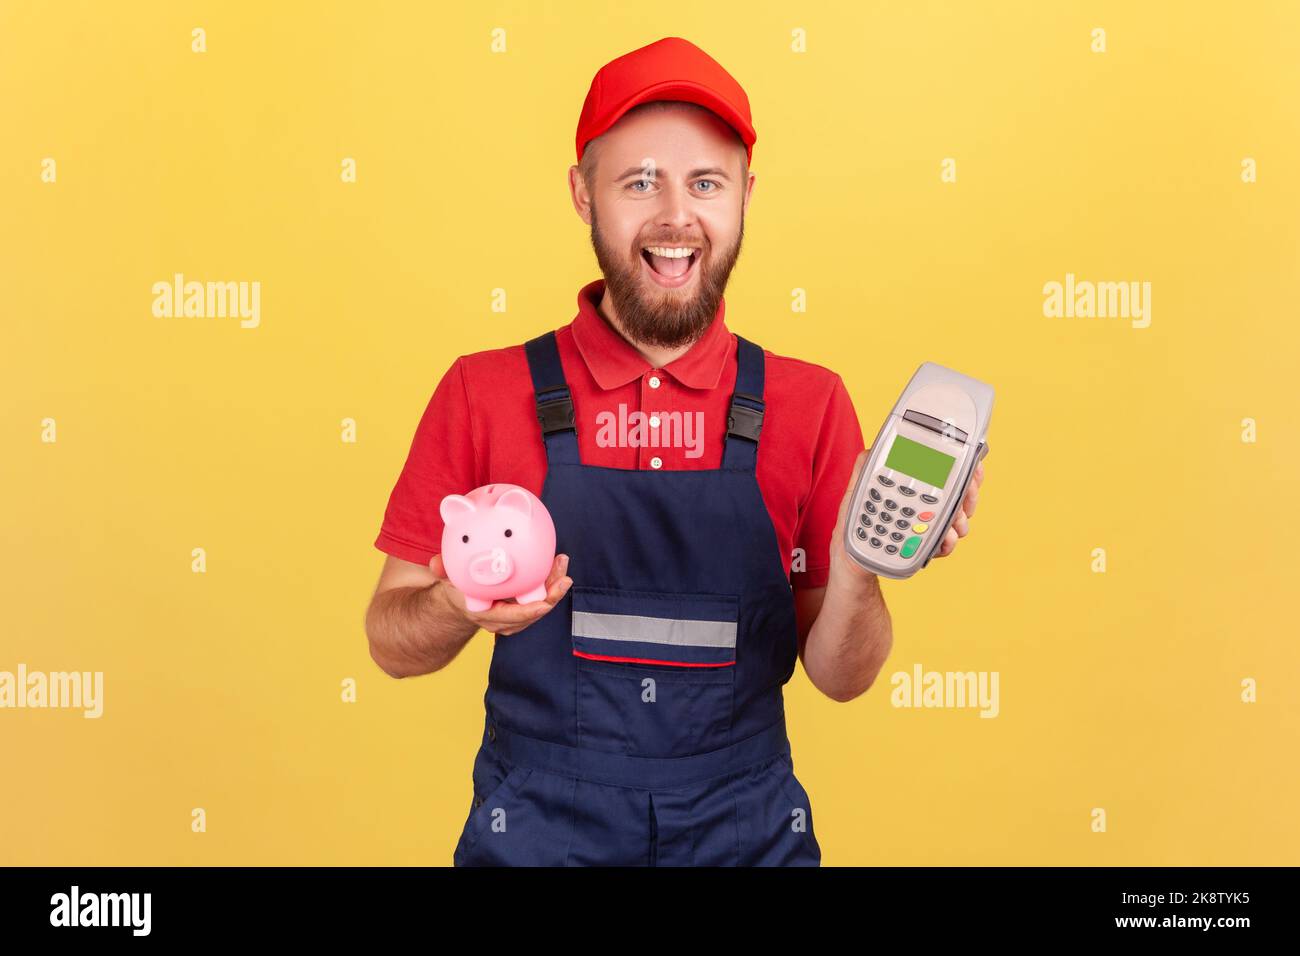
654 421
654 381
656 462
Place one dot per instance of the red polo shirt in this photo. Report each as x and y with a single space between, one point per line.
480 427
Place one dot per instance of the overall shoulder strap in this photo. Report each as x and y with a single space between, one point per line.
745 418
554 403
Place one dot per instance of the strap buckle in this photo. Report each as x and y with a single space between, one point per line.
555 415
743 421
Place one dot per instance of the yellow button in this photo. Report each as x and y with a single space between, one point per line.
919 528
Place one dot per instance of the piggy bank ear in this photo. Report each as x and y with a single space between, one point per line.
516 500
455 507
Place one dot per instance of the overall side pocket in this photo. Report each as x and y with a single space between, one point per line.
800 802
494 782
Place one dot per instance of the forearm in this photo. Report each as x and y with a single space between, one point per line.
850 639
415 630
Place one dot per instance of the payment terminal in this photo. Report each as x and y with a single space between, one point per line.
917 474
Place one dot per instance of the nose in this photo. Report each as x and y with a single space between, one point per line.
491 567
674 212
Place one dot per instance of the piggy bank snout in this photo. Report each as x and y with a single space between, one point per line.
491 567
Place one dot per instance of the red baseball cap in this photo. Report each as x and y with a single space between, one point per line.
668 69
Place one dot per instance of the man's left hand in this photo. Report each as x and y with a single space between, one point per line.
960 526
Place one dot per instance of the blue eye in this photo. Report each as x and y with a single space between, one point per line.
634 182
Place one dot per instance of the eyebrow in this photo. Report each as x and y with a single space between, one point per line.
703 171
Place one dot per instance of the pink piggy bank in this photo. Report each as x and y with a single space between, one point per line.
498 542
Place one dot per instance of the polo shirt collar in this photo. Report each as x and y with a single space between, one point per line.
614 362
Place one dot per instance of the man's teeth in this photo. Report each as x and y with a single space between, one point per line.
670 252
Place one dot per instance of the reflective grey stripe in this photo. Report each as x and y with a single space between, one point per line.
654 630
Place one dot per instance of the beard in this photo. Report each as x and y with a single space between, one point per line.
667 318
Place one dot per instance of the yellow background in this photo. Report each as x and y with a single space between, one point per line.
222 690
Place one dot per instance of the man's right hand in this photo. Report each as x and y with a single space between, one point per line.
508 617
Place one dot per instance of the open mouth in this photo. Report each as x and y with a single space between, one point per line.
670 270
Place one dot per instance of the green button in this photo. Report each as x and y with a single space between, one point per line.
910 546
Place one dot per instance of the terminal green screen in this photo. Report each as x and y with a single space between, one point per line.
920 461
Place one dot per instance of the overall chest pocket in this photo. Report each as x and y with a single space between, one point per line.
655 671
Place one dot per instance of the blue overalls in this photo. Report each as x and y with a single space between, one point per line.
641 721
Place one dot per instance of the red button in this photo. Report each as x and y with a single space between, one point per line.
925 516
